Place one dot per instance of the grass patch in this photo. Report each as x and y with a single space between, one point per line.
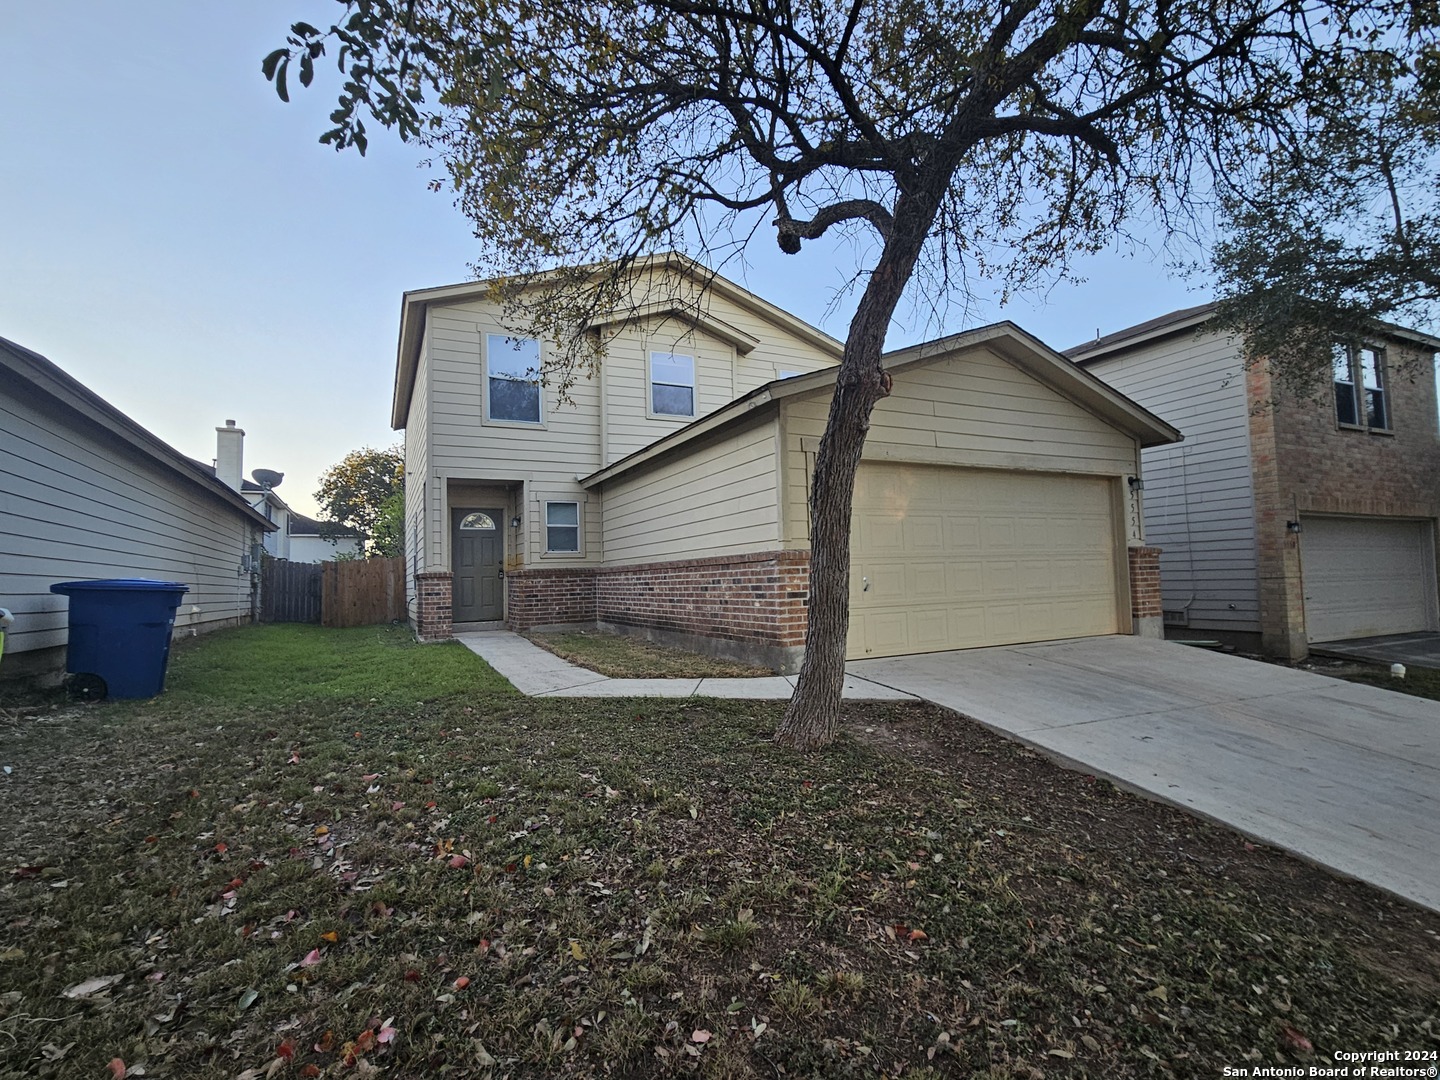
323 848
1418 681
623 657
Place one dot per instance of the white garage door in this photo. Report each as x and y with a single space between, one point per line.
1366 576
946 558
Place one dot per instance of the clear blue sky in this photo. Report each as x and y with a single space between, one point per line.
174 236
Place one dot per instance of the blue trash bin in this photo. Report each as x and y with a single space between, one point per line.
120 635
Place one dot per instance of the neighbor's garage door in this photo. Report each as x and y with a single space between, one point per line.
1366 576
945 558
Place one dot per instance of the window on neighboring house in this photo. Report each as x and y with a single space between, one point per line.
1360 398
512 369
562 527
784 374
672 384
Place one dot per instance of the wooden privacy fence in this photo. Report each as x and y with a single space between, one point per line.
289 591
361 592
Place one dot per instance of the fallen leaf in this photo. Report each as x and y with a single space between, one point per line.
365 1040
330 936
286 1050
458 862
918 935
700 1035
117 1068
462 982
1159 993
576 950
310 1070
326 1043
311 958
221 848
51 1052
248 998
322 830
1295 1040
412 975
370 776
387 1033
91 987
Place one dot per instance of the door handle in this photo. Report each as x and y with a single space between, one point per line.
500 572
865 584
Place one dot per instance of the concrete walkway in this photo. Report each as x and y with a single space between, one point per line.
1345 775
538 673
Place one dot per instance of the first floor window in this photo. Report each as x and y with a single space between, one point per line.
512 370
562 527
672 384
1360 401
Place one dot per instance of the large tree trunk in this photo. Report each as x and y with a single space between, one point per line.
813 716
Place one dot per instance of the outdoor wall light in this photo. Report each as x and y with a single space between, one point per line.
515 522
1292 526
1136 484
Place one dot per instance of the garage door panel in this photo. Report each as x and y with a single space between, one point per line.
1365 577
1022 557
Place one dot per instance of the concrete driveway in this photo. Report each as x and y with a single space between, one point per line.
1345 775
1413 650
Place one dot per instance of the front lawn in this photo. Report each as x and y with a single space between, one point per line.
336 853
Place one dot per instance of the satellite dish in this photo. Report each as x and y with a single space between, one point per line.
267 478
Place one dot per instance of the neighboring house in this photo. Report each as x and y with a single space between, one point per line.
670 499
1286 522
87 493
312 542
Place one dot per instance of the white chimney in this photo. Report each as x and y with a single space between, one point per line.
230 454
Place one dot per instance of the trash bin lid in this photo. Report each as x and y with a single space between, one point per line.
65 588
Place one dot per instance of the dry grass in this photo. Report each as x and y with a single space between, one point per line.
623 657
339 854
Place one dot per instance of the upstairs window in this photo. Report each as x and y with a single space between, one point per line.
672 384
1360 396
512 370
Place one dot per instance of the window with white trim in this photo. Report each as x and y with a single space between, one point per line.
562 528
783 373
1361 399
512 379
672 384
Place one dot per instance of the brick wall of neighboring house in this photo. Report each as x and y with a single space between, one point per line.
1146 613
432 622
748 606
1305 463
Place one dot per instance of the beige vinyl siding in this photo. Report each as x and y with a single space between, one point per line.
417 478
1199 494
719 499
973 409
78 503
545 458
629 424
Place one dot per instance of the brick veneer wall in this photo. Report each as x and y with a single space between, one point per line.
546 597
762 598
756 601
433 594
1146 612
1304 463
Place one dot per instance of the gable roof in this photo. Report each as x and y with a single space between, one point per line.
415 304
1161 326
1005 338
300 525
1191 318
64 391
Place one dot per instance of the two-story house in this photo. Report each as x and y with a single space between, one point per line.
669 497
1286 521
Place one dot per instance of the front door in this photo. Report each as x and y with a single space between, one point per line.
478 550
